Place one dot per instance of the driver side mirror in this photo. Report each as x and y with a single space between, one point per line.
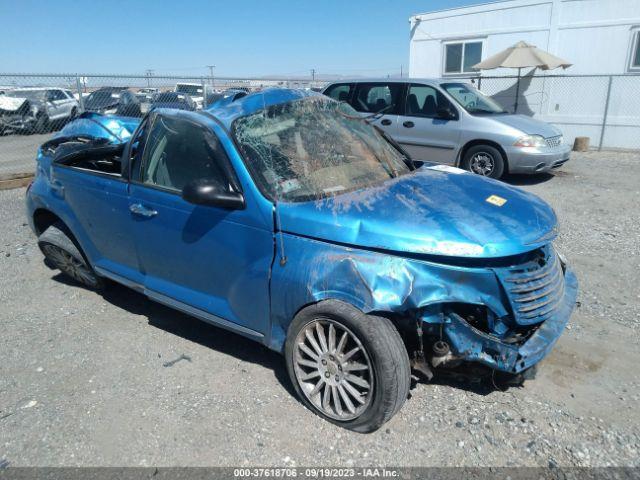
208 191
445 113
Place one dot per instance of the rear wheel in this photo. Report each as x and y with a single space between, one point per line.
62 252
346 366
484 160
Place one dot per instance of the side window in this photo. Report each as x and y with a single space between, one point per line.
635 52
376 97
340 91
69 94
177 152
58 95
424 101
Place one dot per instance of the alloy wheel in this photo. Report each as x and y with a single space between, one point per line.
482 163
333 369
69 264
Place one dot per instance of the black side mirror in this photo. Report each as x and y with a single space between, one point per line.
208 191
446 113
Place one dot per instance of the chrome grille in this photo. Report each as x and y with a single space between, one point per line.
553 142
534 288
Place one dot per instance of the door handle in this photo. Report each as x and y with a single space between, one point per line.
139 209
408 124
385 122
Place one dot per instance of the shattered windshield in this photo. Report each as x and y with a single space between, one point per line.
472 99
314 148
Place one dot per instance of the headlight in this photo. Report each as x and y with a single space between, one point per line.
531 141
110 110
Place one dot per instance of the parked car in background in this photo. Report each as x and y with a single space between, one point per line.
287 218
217 100
194 90
113 100
451 122
181 101
145 95
37 109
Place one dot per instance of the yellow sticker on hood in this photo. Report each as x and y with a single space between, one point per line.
496 200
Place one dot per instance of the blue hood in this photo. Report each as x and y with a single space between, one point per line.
429 212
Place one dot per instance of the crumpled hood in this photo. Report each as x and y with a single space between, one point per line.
528 125
430 212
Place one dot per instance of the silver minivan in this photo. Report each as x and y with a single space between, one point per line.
452 122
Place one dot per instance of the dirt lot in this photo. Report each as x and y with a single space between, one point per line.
18 152
98 380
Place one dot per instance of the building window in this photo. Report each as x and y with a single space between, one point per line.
459 57
635 52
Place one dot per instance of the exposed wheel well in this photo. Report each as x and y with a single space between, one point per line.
43 219
473 143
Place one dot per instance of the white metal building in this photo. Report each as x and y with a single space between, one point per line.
600 37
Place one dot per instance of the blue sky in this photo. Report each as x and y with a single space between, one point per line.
245 37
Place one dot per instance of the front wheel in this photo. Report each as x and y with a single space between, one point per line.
484 160
346 366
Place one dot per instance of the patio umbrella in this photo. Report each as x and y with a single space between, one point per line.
520 56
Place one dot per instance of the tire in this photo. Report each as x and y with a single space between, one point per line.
60 250
380 364
42 124
484 160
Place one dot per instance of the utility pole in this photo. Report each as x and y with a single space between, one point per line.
400 71
149 74
313 74
211 67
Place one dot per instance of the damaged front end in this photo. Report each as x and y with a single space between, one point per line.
464 266
540 292
16 114
505 314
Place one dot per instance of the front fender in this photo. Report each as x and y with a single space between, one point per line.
371 281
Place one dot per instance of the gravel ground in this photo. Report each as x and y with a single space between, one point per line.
17 152
91 380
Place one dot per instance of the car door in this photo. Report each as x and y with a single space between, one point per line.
423 131
209 261
100 205
382 101
56 104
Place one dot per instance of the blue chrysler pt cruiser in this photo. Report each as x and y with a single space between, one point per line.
286 217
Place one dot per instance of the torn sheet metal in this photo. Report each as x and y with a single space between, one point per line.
391 284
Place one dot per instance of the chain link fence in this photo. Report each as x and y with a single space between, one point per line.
605 108
33 106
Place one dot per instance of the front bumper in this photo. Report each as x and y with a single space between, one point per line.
537 160
469 344
16 122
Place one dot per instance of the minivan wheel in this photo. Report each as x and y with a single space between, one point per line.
484 160
62 252
346 366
